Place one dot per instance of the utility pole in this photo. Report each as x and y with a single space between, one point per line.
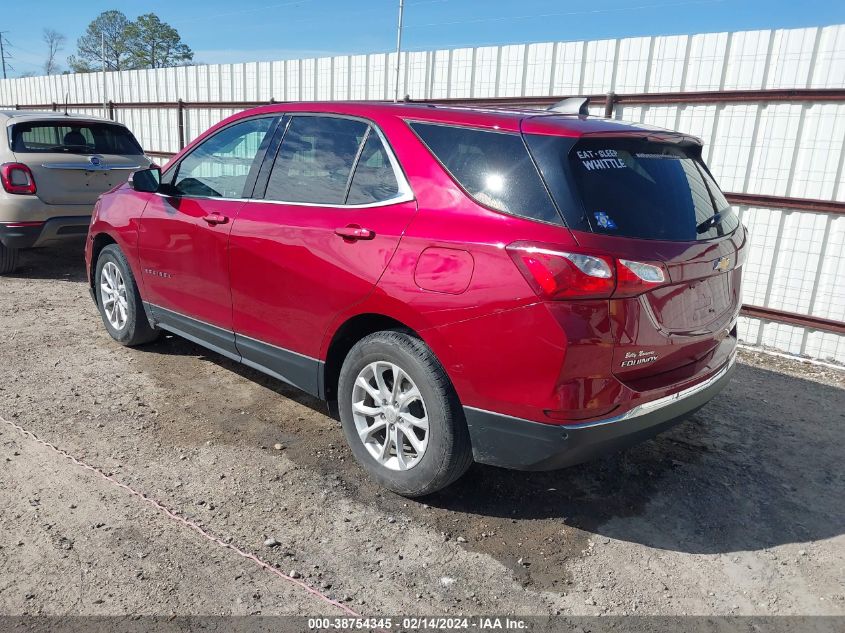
3 53
399 48
103 56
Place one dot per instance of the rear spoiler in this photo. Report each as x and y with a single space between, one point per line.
655 136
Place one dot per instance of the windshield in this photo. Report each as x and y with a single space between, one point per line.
73 137
634 188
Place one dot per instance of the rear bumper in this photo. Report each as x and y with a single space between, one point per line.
30 234
509 442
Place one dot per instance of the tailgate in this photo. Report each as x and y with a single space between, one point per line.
79 179
683 322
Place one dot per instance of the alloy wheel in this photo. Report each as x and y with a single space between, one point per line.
390 415
113 294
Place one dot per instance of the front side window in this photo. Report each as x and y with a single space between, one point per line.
493 167
315 160
73 137
221 165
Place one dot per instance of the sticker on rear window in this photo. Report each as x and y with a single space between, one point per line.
600 159
604 221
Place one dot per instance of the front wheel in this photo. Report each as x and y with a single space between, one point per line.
119 300
401 416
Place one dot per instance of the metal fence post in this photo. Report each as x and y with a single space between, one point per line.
180 116
610 101
111 109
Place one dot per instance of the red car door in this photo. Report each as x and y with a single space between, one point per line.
184 232
314 242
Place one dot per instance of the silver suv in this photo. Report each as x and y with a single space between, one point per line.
53 167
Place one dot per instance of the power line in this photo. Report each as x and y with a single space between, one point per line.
566 13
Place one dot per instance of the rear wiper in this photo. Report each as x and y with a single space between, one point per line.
710 222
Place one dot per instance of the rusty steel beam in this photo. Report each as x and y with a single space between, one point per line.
809 95
793 318
665 98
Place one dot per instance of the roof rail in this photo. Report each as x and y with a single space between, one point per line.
572 105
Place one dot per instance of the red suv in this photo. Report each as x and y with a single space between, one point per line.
520 288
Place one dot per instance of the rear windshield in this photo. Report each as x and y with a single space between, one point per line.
633 188
492 167
73 138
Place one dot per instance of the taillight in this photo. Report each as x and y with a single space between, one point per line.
634 278
566 274
17 178
558 274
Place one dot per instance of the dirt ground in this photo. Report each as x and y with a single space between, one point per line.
738 511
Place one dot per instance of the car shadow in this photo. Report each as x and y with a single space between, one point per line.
174 345
64 260
759 466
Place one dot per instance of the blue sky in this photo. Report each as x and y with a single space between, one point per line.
249 30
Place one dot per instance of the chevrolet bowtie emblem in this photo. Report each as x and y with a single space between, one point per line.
722 264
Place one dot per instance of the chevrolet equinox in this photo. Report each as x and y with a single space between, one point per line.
522 288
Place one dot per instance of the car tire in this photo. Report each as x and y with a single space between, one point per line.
440 451
8 259
119 301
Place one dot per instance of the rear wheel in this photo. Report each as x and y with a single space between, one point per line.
119 300
8 259
401 416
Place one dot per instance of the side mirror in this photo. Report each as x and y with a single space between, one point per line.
146 180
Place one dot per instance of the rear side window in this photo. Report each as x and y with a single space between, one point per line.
73 138
315 160
374 179
635 188
492 167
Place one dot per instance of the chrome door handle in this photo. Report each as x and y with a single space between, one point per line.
353 232
216 218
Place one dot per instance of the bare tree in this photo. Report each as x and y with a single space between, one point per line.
55 42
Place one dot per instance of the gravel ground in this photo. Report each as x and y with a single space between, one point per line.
738 511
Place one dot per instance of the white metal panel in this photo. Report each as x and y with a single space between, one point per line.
292 88
340 76
763 227
279 78
669 63
460 81
377 88
486 64
538 69
820 152
323 87
792 279
511 71
792 53
747 60
731 149
829 68
632 70
569 61
358 77
417 75
599 64
773 151
830 294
